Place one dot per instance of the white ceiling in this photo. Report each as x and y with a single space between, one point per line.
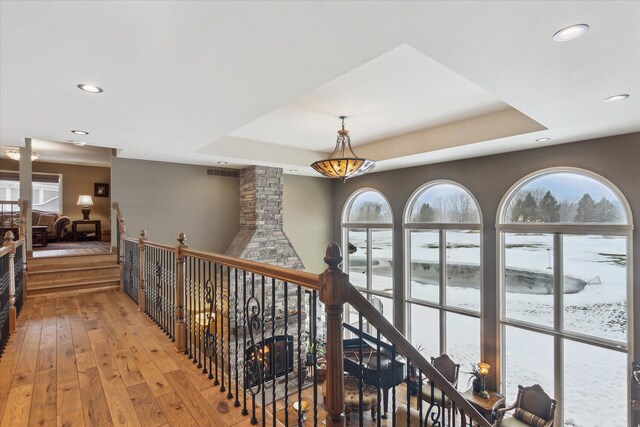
264 82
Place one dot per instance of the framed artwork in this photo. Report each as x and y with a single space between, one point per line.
100 189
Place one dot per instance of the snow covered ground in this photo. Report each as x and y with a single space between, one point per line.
594 378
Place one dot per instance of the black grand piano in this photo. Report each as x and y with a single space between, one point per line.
391 372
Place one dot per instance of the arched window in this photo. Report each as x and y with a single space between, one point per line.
367 223
564 239
443 273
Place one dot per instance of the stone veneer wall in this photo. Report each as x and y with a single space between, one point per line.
261 238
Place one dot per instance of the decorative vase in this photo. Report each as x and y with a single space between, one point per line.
477 385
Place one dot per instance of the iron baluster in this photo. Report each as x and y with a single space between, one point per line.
229 394
237 337
245 411
361 373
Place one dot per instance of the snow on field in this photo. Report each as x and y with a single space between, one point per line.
594 378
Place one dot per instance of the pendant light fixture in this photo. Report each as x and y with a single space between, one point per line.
343 162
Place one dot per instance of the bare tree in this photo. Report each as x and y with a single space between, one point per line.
461 208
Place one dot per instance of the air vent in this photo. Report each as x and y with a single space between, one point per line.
223 172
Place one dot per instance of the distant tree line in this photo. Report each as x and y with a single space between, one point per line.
540 206
454 207
369 211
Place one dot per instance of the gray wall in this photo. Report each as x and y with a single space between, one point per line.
489 178
166 198
308 205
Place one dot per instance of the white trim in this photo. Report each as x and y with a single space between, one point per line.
408 207
441 227
347 206
559 230
559 169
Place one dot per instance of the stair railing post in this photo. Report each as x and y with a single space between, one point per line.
181 329
141 240
8 242
334 293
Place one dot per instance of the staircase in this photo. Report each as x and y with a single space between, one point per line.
64 273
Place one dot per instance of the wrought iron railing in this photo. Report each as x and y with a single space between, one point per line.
12 289
159 292
18 275
131 269
252 329
4 297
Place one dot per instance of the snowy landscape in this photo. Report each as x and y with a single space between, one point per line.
598 310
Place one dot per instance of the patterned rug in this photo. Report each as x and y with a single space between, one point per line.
94 245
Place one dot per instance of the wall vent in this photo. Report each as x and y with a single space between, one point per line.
233 173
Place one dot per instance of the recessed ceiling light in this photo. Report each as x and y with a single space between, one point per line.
89 88
79 143
570 33
222 163
615 98
543 139
80 132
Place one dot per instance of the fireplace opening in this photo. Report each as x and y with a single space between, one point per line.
273 355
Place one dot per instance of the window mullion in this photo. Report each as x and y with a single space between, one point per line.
369 260
442 290
558 311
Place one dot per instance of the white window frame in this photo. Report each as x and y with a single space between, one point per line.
558 230
368 227
441 305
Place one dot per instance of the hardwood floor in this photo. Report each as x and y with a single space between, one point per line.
90 358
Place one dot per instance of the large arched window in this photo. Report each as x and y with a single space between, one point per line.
443 273
564 240
367 224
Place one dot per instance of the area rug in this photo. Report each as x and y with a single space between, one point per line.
95 245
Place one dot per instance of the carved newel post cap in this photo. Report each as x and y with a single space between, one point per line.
182 238
143 234
333 256
8 238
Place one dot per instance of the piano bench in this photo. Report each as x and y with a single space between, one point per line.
352 397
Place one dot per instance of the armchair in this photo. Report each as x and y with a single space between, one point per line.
533 407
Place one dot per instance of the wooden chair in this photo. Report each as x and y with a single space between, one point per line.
450 370
533 407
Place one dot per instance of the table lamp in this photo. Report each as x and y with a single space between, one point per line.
483 370
85 201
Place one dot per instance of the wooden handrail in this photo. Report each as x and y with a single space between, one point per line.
302 278
404 347
160 246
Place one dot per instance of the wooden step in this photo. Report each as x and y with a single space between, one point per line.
69 262
64 273
88 286
73 275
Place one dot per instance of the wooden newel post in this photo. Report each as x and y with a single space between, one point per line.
334 293
141 240
8 242
181 329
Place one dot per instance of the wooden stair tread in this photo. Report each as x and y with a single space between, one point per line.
70 269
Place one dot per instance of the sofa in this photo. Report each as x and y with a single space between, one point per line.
57 225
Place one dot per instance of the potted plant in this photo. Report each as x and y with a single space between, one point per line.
475 379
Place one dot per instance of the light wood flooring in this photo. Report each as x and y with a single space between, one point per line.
56 249
92 359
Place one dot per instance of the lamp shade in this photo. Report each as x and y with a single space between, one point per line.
84 200
343 162
483 368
